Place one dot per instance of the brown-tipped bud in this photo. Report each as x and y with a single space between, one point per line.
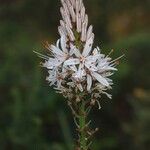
97 129
117 62
92 103
78 99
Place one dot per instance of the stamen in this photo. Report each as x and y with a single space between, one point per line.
117 58
41 55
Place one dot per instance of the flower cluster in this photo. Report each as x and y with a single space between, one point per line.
74 66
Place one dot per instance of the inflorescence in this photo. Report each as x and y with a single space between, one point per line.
77 70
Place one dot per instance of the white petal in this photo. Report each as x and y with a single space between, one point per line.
80 73
101 79
92 59
89 32
70 33
77 52
82 13
91 67
72 12
111 68
89 82
63 44
74 68
56 50
78 18
73 61
101 65
95 51
50 64
80 87
88 47
71 51
57 43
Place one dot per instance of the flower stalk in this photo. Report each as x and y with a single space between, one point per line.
82 124
82 127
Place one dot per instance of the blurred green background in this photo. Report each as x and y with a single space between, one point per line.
33 116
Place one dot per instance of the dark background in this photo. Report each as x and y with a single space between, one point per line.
33 116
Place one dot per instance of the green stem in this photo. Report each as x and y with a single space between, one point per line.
82 115
82 124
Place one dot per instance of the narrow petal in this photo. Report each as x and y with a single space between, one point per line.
80 87
71 61
63 44
111 68
71 51
89 32
95 51
89 82
81 72
56 50
88 47
101 79
57 43
50 64
77 52
74 68
91 67
92 58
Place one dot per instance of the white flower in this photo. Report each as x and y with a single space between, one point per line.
59 53
55 77
90 65
74 66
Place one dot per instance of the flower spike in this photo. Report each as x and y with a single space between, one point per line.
78 71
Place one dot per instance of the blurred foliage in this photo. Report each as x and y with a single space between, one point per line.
33 116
